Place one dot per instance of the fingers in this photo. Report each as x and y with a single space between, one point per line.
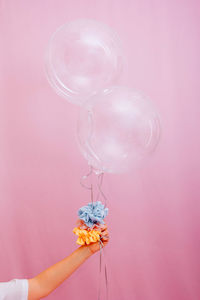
105 235
104 227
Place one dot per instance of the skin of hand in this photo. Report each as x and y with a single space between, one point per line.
47 281
94 247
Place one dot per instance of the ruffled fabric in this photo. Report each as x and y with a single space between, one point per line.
93 213
97 226
86 237
90 223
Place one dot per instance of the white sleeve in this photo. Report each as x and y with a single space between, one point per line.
16 289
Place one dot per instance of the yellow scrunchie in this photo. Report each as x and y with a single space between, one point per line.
86 237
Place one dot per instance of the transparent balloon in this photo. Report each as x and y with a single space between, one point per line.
83 57
116 129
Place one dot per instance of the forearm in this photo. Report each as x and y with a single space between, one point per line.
52 277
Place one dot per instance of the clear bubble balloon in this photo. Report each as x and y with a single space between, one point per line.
83 57
116 129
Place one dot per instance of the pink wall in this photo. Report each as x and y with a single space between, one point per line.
155 211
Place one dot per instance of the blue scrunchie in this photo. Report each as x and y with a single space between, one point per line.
93 213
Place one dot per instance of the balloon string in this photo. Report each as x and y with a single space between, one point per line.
99 185
100 260
84 177
102 252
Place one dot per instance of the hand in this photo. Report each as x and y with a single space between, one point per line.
94 247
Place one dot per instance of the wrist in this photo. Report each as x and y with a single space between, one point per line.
87 252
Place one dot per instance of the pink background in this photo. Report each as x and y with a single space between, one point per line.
154 211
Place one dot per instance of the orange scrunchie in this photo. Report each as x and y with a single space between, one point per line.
86 237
